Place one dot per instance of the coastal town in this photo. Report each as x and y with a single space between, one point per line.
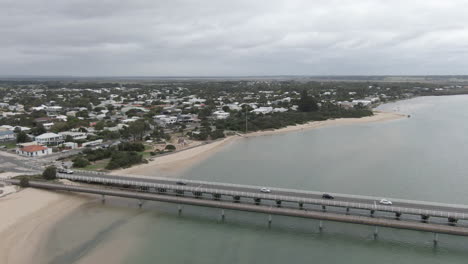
106 126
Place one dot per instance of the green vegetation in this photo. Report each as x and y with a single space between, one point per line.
22 137
24 182
50 173
124 159
80 162
170 147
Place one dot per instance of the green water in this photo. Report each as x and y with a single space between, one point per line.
423 157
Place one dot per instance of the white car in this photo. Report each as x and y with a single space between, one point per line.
265 190
385 202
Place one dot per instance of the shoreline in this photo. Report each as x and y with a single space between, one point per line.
28 216
172 165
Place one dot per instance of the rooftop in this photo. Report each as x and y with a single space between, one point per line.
33 148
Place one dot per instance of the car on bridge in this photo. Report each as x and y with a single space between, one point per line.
385 202
327 196
67 171
181 183
265 190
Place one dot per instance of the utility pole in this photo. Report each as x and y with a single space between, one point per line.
245 119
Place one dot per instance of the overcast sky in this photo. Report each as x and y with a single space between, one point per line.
235 37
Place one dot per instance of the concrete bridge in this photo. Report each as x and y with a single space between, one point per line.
443 218
451 213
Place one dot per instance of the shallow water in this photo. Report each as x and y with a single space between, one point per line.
422 158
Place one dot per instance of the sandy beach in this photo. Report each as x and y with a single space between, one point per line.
27 216
178 162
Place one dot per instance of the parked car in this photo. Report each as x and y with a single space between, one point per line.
385 202
265 190
327 196
181 183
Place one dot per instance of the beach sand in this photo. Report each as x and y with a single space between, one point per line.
27 217
176 163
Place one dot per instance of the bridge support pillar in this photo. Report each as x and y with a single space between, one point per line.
320 225
222 215
324 208
436 239
103 198
278 203
257 201
397 215
452 220
376 232
424 218
301 206
269 220
140 203
179 209
372 213
347 210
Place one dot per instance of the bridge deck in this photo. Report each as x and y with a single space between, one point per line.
437 228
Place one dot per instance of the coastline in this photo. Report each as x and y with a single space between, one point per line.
29 215
176 163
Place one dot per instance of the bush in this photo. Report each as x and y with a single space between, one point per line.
24 182
80 162
123 159
170 147
50 173
152 153
219 133
127 146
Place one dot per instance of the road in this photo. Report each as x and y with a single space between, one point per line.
289 194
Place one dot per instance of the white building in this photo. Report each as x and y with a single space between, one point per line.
221 115
74 135
263 110
7 135
34 151
47 126
49 139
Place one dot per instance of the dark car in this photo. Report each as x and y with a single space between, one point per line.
181 183
327 196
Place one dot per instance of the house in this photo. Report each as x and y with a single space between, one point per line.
220 114
34 151
263 110
6 135
74 135
47 126
49 139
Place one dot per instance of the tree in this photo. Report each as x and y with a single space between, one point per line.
24 182
138 129
100 125
22 137
80 162
226 108
170 147
50 173
39 130
307 103
69 138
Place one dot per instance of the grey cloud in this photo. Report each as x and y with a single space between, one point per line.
187 37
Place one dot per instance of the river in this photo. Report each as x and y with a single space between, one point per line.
423 157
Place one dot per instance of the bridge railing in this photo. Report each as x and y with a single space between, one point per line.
265 196
275 189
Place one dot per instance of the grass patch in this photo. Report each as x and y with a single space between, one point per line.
97 165
9 145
